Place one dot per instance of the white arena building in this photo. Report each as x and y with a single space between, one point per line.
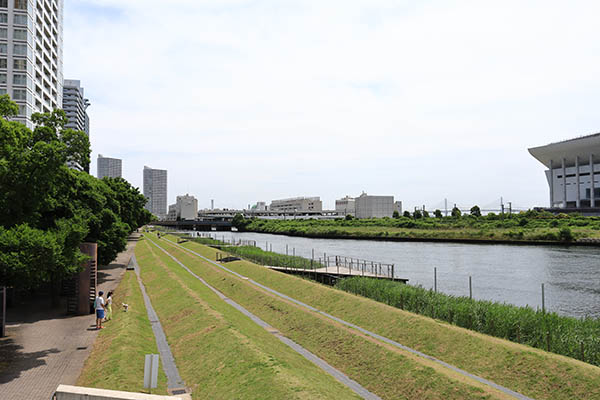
571 165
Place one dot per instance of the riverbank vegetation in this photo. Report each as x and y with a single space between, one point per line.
50 205
263 257
530 226
572 337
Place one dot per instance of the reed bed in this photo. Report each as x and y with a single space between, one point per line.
263 257
572 337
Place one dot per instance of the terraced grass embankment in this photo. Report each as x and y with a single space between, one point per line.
383 370
529 371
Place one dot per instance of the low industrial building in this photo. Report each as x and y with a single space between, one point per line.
346 206
297 204
368 206
572 171
185 208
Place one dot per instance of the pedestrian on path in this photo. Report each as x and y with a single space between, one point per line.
109 305
99 307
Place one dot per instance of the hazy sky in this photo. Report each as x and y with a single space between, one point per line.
243 101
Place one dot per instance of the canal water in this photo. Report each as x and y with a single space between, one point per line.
504 273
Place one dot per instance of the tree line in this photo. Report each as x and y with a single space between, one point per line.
50 205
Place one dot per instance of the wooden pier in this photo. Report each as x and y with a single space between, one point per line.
330 275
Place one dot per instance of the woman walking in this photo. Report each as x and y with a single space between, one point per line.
109 305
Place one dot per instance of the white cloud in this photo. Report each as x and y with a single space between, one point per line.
244 101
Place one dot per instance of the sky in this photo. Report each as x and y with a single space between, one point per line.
245 101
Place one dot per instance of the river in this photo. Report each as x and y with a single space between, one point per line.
504 273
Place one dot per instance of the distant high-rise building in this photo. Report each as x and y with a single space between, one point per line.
111 167
155 190
75 106
31 55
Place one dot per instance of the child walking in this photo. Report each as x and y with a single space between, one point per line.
109 305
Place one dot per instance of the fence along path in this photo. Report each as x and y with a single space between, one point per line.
365 331
335 373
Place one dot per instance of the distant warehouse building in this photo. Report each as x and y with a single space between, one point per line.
572 170
368 206
346 206
185 208
297 204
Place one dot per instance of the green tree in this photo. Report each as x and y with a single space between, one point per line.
239 222
131 203
406 214
425 214
396 214
437 214
417 214
8 108
456 212
476 211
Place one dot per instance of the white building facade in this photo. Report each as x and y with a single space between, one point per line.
368 206
31 55
110 167
75 106
297 204
155 190
573 171
186 207
346 206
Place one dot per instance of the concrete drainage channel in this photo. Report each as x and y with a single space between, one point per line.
175 384
338 375
341 321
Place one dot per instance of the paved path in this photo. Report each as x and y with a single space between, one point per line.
44 347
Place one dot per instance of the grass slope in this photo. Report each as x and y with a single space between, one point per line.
530 371
117 359
220 353
386 371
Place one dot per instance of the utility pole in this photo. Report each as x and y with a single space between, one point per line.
501 205
446 206
509 207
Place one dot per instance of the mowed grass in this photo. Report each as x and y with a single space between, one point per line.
532 372
221 353
386 371
117 359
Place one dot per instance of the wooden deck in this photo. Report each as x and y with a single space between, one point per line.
334 273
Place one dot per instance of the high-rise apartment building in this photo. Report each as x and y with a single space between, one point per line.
111 167
31 54
155 190
75 105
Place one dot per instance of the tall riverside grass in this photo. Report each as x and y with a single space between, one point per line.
572 337
260 256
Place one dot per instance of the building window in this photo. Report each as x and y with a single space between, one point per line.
3 79
4 3
3 48
22 109
20 49
19 79
3 33
19 94
20 19
20 34
21 4
3 18
20 64
3 63
2 91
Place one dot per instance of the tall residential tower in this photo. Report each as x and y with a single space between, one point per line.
111 167
155 190
31 54
75 106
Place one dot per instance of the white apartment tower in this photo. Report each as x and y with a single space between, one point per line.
31 55
155 190
111 167
75 105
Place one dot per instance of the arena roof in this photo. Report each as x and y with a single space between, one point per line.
569 149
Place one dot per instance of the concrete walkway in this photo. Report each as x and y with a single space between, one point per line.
45 347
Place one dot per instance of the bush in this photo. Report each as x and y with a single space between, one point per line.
565 235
